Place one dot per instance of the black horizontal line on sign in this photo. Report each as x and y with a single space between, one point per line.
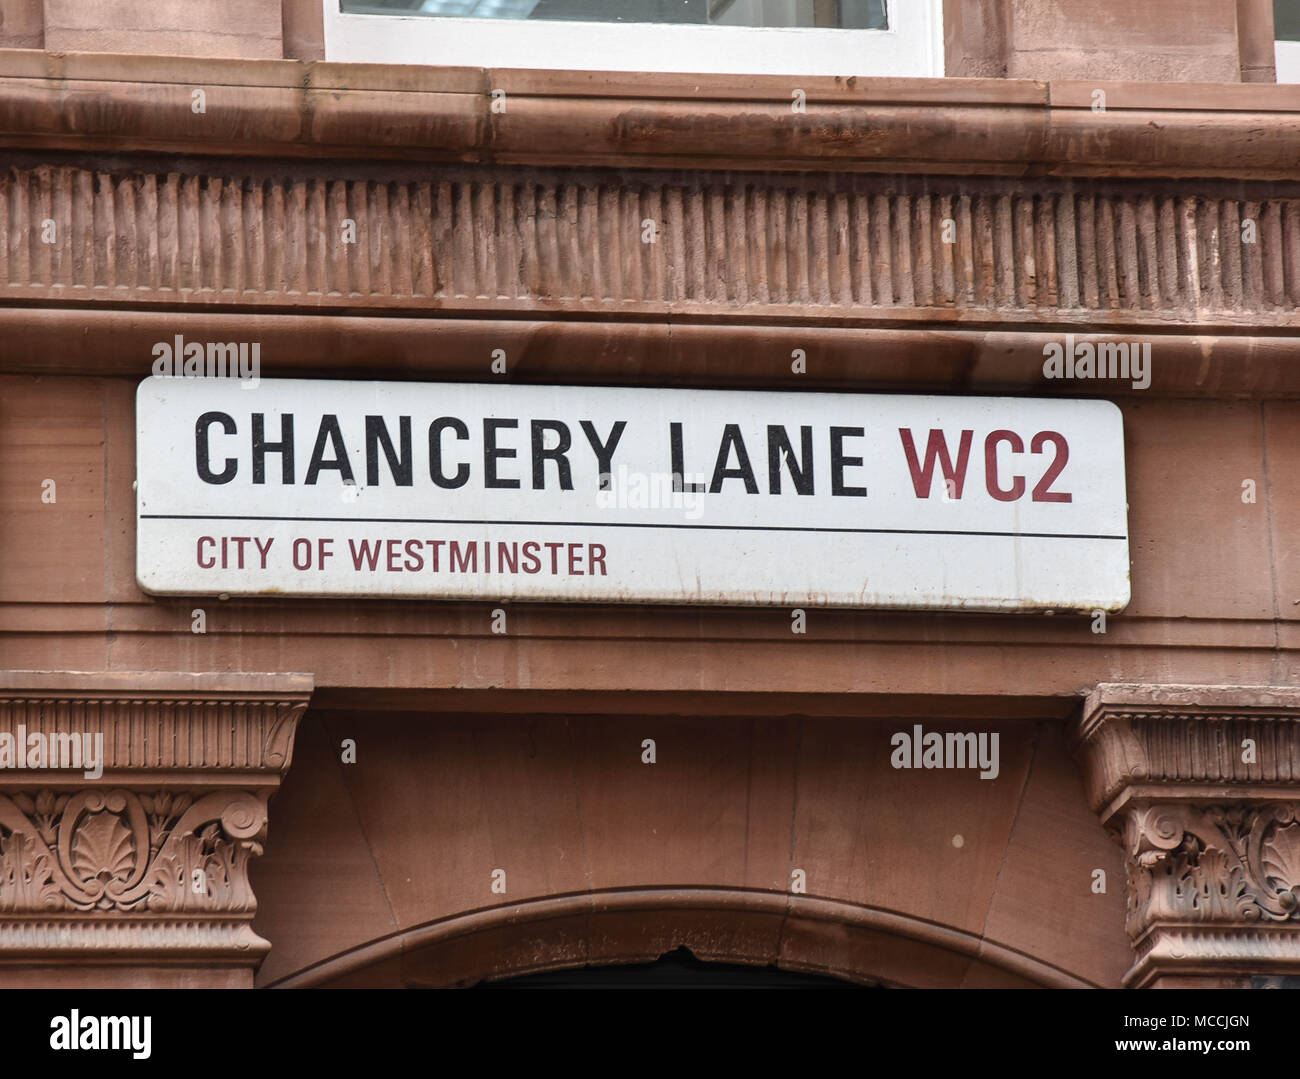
620 524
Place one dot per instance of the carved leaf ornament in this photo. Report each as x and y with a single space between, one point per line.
119 851
1217 864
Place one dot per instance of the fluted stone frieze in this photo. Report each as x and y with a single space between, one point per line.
814 246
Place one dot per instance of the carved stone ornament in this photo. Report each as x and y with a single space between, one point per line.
115 850
148 862
1201 785
1228 864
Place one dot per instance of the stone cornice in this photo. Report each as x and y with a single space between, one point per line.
1023 214
1157 741
160 729
963 126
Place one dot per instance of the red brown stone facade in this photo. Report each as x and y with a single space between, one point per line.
494 815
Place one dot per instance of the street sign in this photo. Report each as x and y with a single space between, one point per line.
619 495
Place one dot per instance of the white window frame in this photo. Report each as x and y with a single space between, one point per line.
911 47
1286 54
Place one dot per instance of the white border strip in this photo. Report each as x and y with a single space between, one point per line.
911 48
1286 55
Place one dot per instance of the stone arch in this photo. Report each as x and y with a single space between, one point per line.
626 926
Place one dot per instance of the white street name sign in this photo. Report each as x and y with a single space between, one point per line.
613 495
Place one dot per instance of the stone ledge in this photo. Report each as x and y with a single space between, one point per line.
1197 952
105 343
148 685
115 942
963 126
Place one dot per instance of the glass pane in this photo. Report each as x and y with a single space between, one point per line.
843 14
1286 20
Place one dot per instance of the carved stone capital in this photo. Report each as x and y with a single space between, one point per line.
130 808
1201 786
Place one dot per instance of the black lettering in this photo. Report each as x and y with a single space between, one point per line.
801 469
839 462
604 451
201 458
731 439
675 441
329 429
398 464
461 477
491 451
556 453
284 448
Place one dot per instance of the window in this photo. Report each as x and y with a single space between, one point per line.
794 37
1286 49
836 14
